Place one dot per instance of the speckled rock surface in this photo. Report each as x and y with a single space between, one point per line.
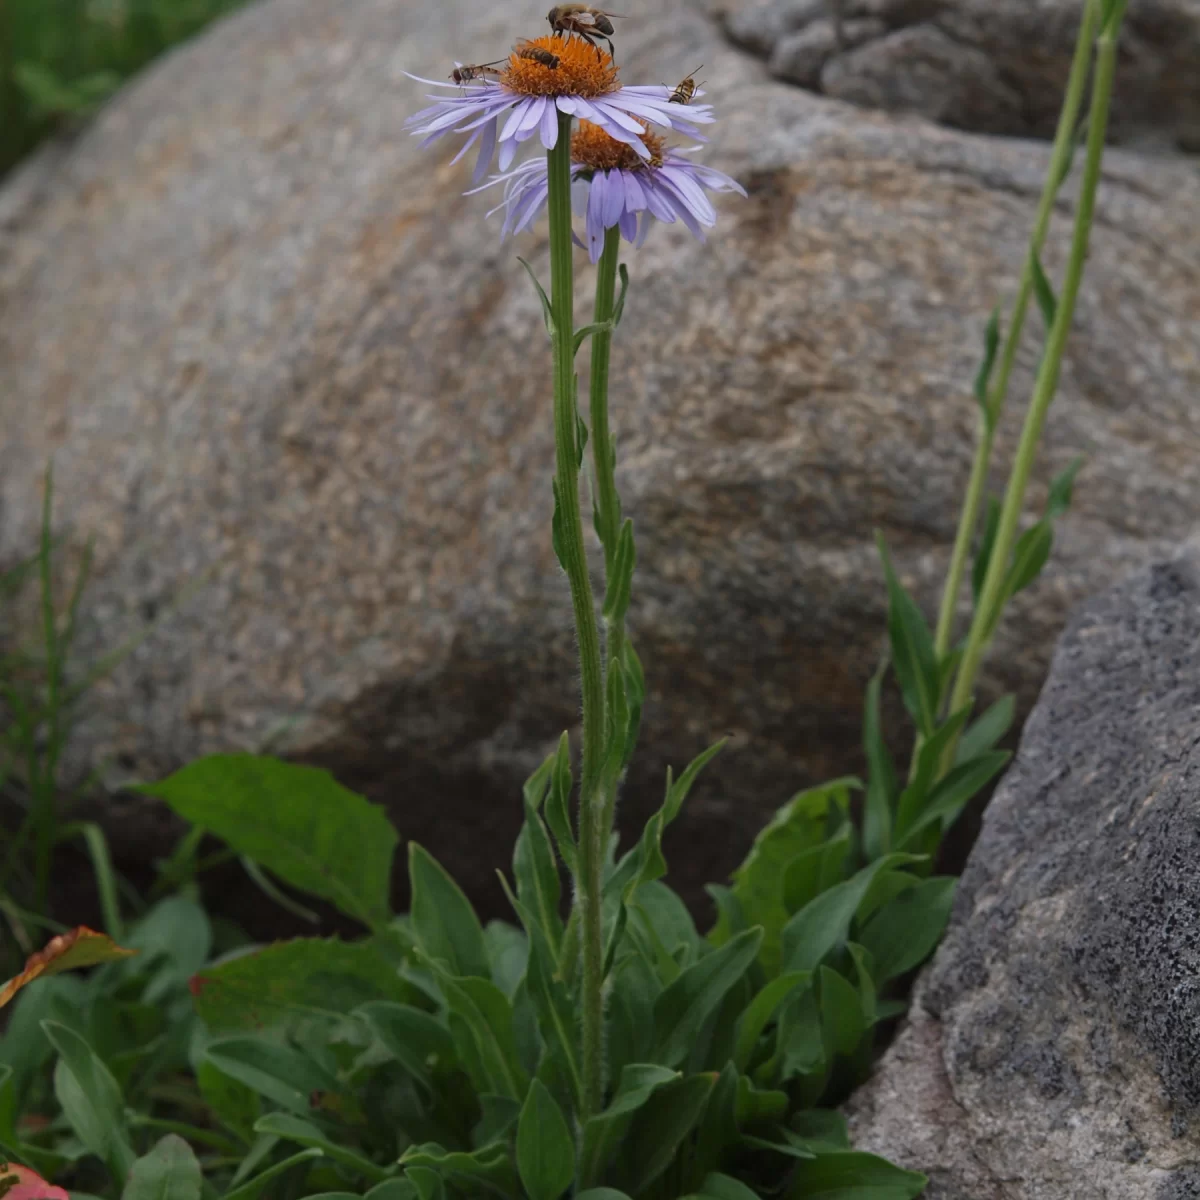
272 346
994 66
1054 1048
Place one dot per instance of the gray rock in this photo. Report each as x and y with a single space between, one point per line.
1054 1047
800 57
272 347
989 66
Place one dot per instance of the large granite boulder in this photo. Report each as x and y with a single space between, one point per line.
994 66
1054 1046
273 348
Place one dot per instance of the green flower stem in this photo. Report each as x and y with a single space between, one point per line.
604 456
992 596
998 393
571 548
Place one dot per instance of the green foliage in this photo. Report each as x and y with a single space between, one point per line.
61 59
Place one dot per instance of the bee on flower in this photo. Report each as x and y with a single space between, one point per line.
523 99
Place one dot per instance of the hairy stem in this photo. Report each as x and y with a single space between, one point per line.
604 459
992 596
997 394
571 547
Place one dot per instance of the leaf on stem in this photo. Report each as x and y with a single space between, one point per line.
912 649
882 784
991 344
81 947
547 311
1044 291
619 307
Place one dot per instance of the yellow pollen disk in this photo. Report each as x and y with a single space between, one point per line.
583 70
592 147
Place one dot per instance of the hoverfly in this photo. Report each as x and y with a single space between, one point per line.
465 73
686 89
526 49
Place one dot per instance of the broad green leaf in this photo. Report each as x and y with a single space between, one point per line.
951 796
602 1193
912 650
280 1073
443 920
683 1008
821 1129
804 823
815 871
882 786
252 1188
236 1105
169 1172
295 821
904 932
90 1099
603 1133
824 924
849 1175
725 1187
295 978
983 734
842 1019
508 955
545 1147
761 1010
292 1129
660 1126
394 1189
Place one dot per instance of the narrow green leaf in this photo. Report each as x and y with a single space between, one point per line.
984 733
558 803
620 579
912 649
1044 291
882 785
545 1147
603 1133
635 692
619 306
90 1099
557 536
991 344
169 1172
951 796
677 792
292 1129
683 1008
581 439
280 1073
824 924
443 920
850 1175
1030 555
586 331
761 1010
417 1040
1061 487
903 933
536 873
983 553
296 821
915 797
547 310
659 1128
253 1187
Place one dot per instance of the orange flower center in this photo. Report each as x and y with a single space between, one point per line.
554 65
592 147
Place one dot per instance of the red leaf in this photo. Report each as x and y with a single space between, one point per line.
82 947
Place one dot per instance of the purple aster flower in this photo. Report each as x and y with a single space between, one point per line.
615 187
529 95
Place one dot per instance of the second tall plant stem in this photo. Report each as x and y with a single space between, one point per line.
604 455
574 560
998 392
992 594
